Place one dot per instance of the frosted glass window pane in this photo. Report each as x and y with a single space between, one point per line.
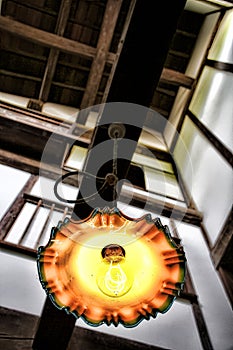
207 175
162 183
215 306
152 162
222 47
212 103
152 138
76 158
202 44
12 181
170 130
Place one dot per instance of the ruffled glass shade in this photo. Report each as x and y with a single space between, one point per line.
112 269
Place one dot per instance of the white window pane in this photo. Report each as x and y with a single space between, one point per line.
208 177
12 181
222 47
212 103
162 183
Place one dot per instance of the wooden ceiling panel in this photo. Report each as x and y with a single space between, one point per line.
65 94
67 55
18 64
13 43
20 85
74 61
72 76
31 14
85 21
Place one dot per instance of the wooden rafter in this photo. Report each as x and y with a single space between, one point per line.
14 336
54 53
220 247
176 78
119 49
49 39
214 140
106 33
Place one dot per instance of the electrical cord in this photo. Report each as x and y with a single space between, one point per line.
80 200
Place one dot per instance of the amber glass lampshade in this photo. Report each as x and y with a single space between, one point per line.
110 268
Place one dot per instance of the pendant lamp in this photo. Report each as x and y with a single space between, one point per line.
110 268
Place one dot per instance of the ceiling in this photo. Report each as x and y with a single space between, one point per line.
66 52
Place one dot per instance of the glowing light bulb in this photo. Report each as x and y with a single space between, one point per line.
112 277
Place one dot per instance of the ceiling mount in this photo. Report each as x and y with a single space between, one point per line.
116 131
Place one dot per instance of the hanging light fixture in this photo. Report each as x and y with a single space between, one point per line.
110 268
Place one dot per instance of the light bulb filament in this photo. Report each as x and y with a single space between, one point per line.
115 279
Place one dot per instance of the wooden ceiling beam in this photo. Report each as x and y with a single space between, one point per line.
173 77
219 249
105 37
62 20
49 39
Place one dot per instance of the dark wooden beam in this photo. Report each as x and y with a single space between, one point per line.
134 85
143 63
105 37
226 275
30 165
176 78
26 134
224 238
15 112
54 53
119 49
35 105
16 248
49 39
55 324
218 145
226 67
15 337
19 75
202 328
